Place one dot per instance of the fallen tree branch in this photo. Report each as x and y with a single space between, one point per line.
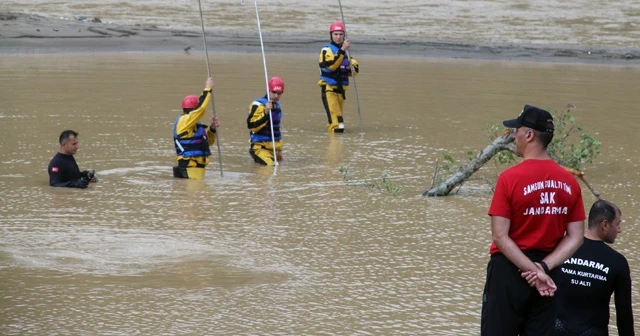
498 145
435 174
580 175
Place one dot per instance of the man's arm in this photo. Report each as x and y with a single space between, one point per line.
59 170
188 121
567 246
624 310
257 118
211 136
78 183
356 68
330 61
500 233
212 130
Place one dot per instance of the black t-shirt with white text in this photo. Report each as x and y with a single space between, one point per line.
585 284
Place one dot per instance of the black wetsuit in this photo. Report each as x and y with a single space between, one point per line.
585 284
64 172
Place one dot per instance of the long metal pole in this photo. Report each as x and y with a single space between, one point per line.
355 87
266 80
213 107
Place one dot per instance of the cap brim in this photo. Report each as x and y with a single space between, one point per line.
513 123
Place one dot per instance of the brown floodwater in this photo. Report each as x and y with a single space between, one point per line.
287 251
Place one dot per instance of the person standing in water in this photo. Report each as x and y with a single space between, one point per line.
191 138
264 124
63 169
335 70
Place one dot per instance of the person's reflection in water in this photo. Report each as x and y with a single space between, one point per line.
190 194
268 199
334 154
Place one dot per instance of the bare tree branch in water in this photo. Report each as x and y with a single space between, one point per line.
457 179
580 175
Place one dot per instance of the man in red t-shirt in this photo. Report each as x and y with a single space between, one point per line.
537 222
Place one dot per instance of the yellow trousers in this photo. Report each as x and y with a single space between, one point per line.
194 173
262 154
333 104
191 168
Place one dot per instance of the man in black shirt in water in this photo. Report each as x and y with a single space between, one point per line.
587 280
63 169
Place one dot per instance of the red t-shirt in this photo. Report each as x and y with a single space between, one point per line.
540 198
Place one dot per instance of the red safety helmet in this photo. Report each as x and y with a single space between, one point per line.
336 26
190 102
276 85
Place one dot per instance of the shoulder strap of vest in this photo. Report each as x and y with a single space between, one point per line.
178 136
334 48
261 100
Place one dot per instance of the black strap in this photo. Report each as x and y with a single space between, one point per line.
545 267
185 163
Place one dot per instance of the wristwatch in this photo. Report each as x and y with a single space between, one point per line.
545 267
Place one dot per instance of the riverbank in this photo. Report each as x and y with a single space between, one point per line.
35 34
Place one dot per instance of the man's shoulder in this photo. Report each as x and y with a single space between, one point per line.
54 157
259 101
53 161
60 157
329 46
615 254
186 121
59 163
535 166
513 170
591 249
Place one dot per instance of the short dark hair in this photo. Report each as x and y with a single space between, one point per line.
602 210
545 137
65 135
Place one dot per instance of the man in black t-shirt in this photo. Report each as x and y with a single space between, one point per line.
587 280
63 169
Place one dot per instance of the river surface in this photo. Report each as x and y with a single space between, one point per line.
574 22
292 251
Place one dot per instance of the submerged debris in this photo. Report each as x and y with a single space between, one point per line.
87 19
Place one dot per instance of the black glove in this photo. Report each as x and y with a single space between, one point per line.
88 174
84 174
79 183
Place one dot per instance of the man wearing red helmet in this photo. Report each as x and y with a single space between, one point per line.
263 121
192 138
335 70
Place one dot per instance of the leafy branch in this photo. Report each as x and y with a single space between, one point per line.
384 183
